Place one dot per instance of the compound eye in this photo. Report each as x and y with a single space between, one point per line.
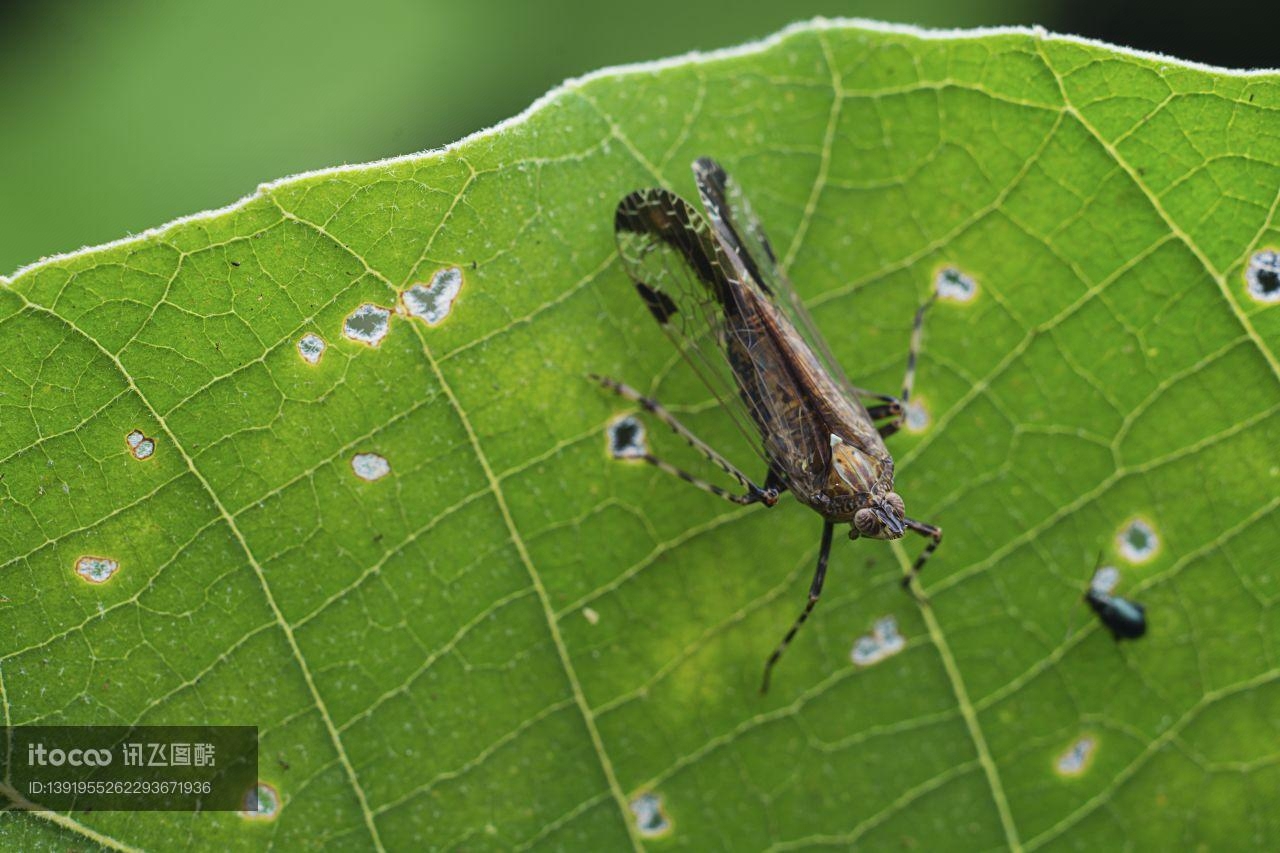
894 500
866 522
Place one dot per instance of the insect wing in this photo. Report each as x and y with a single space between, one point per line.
708 304
736 225
675 265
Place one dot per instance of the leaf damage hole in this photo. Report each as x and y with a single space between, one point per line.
1077 758
650 818
370 466
592 617
883 641
433 301
1137 541
139 445
1263 276
917 419
1105 580
626 438
367 324
311 347
96 569
261 802
951 283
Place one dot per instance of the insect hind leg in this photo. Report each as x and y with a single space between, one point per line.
768 495
895 410
913 352
896 407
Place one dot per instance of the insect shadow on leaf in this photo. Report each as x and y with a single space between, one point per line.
714 285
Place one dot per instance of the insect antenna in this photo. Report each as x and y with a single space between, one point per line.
1075 605
815 590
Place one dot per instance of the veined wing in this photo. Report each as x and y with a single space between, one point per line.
716 315
737 226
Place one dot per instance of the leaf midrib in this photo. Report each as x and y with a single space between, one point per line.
495 488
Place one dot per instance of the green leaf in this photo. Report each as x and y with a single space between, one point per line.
512 639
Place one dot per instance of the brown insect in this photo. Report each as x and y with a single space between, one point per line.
715 287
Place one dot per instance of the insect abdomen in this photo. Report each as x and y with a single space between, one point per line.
1125 619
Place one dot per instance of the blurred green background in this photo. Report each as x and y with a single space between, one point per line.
120 116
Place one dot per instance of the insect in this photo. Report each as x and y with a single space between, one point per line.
1125 619
715 287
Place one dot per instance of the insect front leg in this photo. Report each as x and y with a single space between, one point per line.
935 539
815 590
754 494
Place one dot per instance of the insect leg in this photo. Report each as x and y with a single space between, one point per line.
890 428
774 483
917 332
893 402
754 495
896 407
891 408
888 410
768 495
815 590
935 539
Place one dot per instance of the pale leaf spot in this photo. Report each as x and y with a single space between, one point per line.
311 347
370 466
367 324
139 445
96 569
951 283
1263 276
1137 541
433 301
1105 580
917 419
1076 759
651 820
626 438
261 802
883 641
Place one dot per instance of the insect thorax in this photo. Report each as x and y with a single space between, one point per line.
854 477
838 502
838 508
